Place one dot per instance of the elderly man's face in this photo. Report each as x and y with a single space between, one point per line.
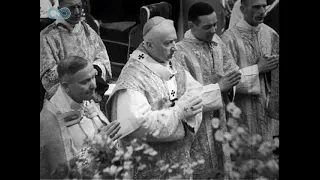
164 46
254 11
82 84
205 28
75 7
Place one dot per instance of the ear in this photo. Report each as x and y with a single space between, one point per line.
190 24
65 86
243 9
149 45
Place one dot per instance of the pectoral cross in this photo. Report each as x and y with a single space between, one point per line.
141 56
173 93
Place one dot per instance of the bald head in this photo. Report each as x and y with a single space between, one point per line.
159 35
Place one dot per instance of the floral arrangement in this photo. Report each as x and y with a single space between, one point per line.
103 159
251 157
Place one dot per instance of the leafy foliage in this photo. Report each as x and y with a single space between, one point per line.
251 157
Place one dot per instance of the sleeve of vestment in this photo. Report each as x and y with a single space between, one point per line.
48 64
249 83
101 59
210 94
138 119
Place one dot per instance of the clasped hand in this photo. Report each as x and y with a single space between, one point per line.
268 63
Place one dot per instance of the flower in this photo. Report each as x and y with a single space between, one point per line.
272 164
153 153
236 113
139 148
175 165
164 167
234 110
231 107
256 139
127 165
219 135
156 133
142 166
215 123
240 130
127 156
119 152
227 149
130 149
111 170
127 175
228 136
201 161
265 147
232 123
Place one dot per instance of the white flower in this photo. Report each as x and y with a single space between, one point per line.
142 166
164 167
130 149
113 169
127 156
227 149
236 113
138 148
126 175
153 153
232 123
201 161
240 130
256 139
119 152
156 133
234 110
272 164
265 147
215 123
231 107
228 136
219 135
127 165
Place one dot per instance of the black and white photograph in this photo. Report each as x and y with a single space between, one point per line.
151 89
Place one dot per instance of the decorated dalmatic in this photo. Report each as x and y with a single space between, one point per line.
207 63
143 101
59 40
259 100
64 125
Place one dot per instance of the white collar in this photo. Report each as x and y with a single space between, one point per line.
63 101
188 36
71 28
246 26
164 71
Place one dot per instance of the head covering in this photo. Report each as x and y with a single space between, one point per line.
236 14
156 21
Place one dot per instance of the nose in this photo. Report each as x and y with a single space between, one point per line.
174 47
93 84
213 29
262 10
